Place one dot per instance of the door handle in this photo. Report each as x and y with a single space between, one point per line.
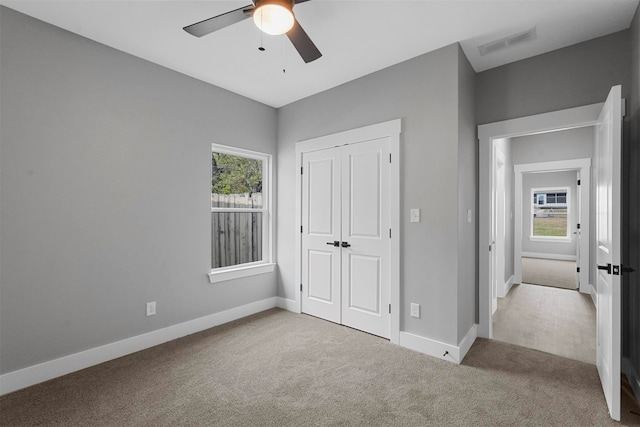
346 245
627 269
605 267
334 243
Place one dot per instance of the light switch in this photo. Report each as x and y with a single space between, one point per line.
415 215
415 310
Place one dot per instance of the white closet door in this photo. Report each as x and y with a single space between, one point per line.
320 229
365 237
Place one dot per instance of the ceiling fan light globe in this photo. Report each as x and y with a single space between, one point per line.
273 19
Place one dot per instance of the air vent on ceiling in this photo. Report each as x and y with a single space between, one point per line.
507 42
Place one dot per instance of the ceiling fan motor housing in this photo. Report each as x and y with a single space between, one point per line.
284 3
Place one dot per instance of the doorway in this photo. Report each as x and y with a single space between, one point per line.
348 213
547 206
606 119
534 180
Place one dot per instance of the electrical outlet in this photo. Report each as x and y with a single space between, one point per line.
415 310
415 215
151 308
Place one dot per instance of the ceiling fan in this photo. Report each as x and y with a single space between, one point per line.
271 16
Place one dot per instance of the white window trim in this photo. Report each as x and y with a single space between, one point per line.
552 239
267 265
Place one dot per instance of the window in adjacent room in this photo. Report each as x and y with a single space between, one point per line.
240 213
550 210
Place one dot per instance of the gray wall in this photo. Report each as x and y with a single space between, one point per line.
631 282
467 199
548 180
574 76
424 93
104 185
547 147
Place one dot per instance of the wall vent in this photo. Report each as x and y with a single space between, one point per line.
507 42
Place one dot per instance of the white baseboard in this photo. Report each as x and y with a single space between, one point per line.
592 292
632 376
287 304
439 349
31 375
469 339
505 287
508 285
549 256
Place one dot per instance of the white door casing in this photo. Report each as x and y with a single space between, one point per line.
578 233
499 288
583 166
558 120
608 248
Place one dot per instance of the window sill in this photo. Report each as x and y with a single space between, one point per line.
550 239
222 275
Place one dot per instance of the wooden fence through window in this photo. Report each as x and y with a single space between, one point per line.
236 236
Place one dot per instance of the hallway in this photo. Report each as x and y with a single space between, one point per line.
557 321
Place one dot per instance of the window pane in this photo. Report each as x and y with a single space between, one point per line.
236 181
551 197
562 198
236 238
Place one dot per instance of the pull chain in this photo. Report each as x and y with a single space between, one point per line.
284 57
261 47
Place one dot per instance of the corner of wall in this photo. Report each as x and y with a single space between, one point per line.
467 196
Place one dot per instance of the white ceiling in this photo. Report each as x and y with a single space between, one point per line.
356 37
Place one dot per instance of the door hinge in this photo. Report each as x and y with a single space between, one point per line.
578 269
300 287
389 308
389 157
579 182
301 170
389 233
300 229
623 107
578 226
490 248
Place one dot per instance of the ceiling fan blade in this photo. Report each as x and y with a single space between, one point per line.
300 1
210 25
303 44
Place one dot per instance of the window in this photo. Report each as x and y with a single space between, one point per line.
550 214
240 213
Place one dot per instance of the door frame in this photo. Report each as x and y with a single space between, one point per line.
390 129
571 118
583 166
499 288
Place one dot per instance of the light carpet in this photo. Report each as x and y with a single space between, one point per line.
549 272
277 368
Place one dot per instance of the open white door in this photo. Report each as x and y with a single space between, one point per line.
608 250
